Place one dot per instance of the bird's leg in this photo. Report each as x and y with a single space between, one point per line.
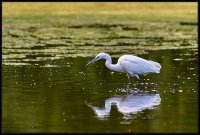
129 79
137 83
137 80
137 77
129 83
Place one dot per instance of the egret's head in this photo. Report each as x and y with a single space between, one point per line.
98 57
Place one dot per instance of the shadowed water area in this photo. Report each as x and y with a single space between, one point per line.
46 87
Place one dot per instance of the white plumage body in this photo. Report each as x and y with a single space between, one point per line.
136 65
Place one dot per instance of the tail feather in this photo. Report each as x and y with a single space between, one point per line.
155 64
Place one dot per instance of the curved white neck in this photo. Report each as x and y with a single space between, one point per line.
109 65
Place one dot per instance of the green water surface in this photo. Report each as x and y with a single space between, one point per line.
46 87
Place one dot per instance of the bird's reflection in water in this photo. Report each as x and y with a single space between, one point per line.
127 104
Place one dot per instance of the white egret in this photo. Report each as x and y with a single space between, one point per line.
130 64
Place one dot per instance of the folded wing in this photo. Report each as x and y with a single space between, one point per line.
139 66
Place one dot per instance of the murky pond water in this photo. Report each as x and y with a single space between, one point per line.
45 87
